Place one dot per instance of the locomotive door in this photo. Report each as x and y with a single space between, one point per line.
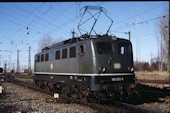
81 59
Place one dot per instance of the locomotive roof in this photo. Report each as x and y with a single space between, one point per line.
82 38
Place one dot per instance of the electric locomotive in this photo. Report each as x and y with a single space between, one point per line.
95 67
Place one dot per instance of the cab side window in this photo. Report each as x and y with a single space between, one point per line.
51 55
38 58
57 55
42 57
81 50
46 56
64 53
72 52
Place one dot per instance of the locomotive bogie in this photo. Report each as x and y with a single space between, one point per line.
87 84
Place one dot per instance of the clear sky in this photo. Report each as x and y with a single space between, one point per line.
23 24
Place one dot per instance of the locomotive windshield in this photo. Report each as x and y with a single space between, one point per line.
104 48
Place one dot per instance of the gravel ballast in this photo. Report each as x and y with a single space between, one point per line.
22 99
16 98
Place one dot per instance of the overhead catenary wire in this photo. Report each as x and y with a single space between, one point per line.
30 14
141 22
146 21
72 20
131 17
139 14
42 15
125 11
62 25
133 7
17 22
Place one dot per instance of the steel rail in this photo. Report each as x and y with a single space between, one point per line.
138 107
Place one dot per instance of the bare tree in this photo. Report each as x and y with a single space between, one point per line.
163 38
45 41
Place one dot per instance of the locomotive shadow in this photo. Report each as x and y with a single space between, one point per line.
145 98
147 94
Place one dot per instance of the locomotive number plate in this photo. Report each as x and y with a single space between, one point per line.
117 79
117 65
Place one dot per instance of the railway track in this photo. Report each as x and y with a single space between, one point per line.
153 81
114 106
143 89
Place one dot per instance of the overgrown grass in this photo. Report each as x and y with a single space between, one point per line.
155 75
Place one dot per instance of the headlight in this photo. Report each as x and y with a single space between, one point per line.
131 69
102 69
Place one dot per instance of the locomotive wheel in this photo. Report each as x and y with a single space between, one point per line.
94 100
94 97
43 86
118 95
67 90
136 96
79 93
64 91
37 83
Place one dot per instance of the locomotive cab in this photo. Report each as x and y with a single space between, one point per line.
114 56
113 63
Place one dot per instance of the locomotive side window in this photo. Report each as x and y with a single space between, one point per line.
72 52
81 50
64 53
42 57
38 58
104 48
57 55
51 55
46 56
